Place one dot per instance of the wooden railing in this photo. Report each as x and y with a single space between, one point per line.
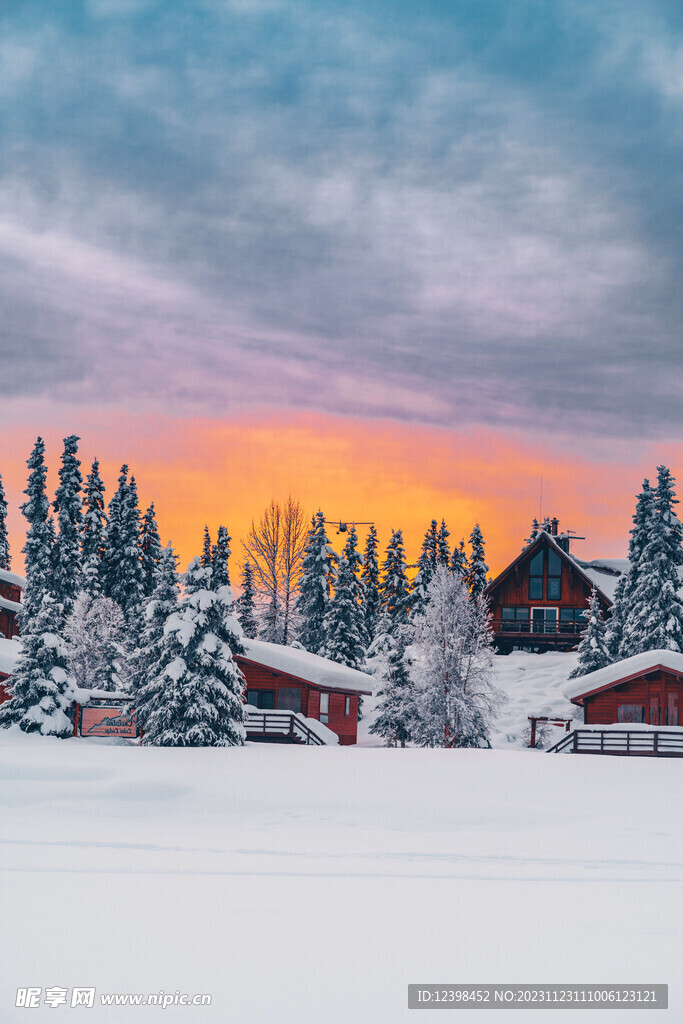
279 725
537 628
625 742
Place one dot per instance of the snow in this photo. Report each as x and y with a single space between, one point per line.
311 667
11 577
9 652
306 884
604 573
328 737
634 665
10 606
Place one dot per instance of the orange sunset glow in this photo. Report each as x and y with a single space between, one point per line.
203 470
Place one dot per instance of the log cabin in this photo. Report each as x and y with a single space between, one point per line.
539 602
291 679
644 689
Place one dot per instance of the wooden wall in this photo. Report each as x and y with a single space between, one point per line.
652 691
8 619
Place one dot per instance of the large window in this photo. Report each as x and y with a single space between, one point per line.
515 620
324 707
289 698
631 713
264 699
554 576
573 620
536 576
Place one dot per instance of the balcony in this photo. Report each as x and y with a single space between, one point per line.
544 627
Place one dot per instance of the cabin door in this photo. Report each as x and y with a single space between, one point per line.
672 709
544 620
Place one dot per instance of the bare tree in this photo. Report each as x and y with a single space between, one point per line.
275 547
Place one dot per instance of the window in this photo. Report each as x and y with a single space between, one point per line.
347 705
324 707
536 577
572 620
264 699
515 620
631 713
554 576
289 698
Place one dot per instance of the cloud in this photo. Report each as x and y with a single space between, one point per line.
209 207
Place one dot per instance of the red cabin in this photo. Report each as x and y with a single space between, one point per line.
644 689
290 679
539 602
11 587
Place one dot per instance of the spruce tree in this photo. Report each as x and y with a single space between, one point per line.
94 528
124 576
643 518
149 545
443 548
397 710
41 686
245 604
150 682
458 564
476 578
5 560
593 650
220 559
344 627
66 554
370 580
654 618
394 588
316 583
201 704
205 560
426 567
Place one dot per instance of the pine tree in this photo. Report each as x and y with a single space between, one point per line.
66 554
397 710
94 528
316 583
593 649
615 624
220 559
149 544
200 703
476 578
426 567
370 580
621 609
149 681
205 560
443 547
98 651
41 686
654 617
124 578
394 587
5 560
459 565
344 627
245 604
453 660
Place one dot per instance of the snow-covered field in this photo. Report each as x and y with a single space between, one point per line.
313 884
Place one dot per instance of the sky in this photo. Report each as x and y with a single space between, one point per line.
399 260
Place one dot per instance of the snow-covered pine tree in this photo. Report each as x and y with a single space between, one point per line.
394 587
98 651
458 563
124 580
535 530
155 648
344 627
476 578
397 710
220 559
452 667
202 686
369 578
593 649
316 582
66 554
245 604
614 635
5 560
149 543
654 617
443 553
94 528
426 567
205 560
41 686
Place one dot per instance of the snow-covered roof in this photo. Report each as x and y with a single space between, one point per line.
636 665
11 577
604 572
9 652
10 606
317 670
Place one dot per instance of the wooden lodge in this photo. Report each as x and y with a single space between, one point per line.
289 679
646 689
539 602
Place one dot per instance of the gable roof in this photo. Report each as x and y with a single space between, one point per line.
593 573
623 671
304 665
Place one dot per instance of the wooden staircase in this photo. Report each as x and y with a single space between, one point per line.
279 727
666 742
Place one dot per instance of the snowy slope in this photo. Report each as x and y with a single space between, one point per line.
301 885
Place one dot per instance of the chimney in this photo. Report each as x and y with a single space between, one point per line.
554 526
